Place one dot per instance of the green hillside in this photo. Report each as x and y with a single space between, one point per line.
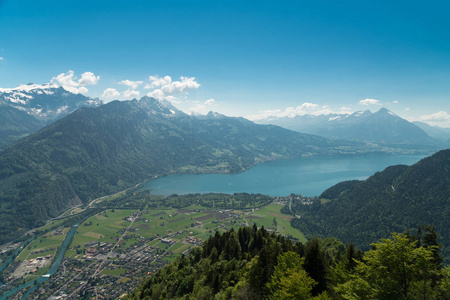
16 124
253 264
99 151
398 198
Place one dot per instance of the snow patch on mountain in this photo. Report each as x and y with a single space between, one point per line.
44 101
334 118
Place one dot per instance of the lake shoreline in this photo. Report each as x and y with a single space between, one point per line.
366 165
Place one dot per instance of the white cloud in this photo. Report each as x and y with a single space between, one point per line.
131 94
158 94
1 58
369 102
110 93
132 84
173 99
209 102
80 90
395 102
169 89
70 82
66 79
306 108
441 118
88 78
156 81
407 109
202 108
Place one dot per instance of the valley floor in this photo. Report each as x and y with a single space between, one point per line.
115 248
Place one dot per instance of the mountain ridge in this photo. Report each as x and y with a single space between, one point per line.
436 132
382 127
393 200
29 107
98 151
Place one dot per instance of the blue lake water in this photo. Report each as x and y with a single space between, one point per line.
306 176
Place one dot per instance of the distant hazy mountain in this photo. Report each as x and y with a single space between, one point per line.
27 108
394 200
97 151
439 133
382 127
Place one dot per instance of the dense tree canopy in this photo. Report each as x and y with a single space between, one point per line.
253 264
398 198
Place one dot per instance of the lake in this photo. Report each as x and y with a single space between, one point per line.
306 176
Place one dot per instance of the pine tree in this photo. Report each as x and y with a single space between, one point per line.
316 265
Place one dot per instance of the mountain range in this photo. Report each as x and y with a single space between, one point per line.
93 150
382 127
436 132
28 108
97 151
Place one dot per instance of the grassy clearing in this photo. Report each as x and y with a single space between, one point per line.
102 227
115 272
154 243
265 217
44 245
175 247
124 279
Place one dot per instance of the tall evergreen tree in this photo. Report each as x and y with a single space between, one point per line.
316 265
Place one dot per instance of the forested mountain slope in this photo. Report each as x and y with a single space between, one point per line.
253 264
97 151
398 198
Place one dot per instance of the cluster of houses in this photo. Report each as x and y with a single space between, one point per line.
193 240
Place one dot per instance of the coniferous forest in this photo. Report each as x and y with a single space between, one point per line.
255 264
393 200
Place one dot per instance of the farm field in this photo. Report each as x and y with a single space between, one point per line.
131 236
270 213
178 225
185 228
42 246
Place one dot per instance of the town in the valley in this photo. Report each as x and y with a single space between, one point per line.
113 250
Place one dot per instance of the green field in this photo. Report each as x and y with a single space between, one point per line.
265 217
102 227
115 272
44 243
178 247
196 221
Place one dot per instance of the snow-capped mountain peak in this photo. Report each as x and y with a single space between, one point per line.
46 101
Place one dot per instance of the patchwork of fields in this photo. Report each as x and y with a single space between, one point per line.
123 245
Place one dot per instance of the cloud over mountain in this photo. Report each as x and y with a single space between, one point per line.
306 108
128 94
440 118
78 86
110 93
369 102
170 90
202 108
132 84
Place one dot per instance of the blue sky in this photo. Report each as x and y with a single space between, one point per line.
247 58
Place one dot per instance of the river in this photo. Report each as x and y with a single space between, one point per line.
306 176
54 267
